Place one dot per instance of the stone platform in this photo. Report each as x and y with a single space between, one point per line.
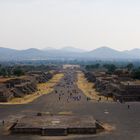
56 125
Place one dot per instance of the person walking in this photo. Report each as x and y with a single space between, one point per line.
128 106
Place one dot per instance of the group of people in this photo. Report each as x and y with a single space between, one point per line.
67 87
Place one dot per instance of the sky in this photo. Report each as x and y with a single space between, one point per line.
85 24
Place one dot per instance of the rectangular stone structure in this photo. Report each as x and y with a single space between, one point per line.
55 125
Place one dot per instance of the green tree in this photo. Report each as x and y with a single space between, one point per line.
136 73
18 71
92 67
110 67
3 72
130 66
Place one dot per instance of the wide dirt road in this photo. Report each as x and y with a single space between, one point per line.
67 98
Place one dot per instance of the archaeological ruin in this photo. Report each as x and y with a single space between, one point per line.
21 86
119 86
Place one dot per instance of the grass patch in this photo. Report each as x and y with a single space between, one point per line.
65 113
88 88
43 88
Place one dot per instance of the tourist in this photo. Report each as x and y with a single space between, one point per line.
128 106
3 122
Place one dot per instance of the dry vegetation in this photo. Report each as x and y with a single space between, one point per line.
88 89
108 127
4 79
43 88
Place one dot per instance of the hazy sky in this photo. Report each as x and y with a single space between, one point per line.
86 24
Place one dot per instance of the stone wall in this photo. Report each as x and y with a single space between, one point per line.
114 86
19 87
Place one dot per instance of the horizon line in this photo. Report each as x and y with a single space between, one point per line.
86 50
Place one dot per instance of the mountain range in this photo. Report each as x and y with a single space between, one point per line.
102 53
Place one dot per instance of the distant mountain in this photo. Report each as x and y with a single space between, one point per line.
107 53
31 53
6 53
63 53
102 53
48 49
71 49
64 49
134 52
